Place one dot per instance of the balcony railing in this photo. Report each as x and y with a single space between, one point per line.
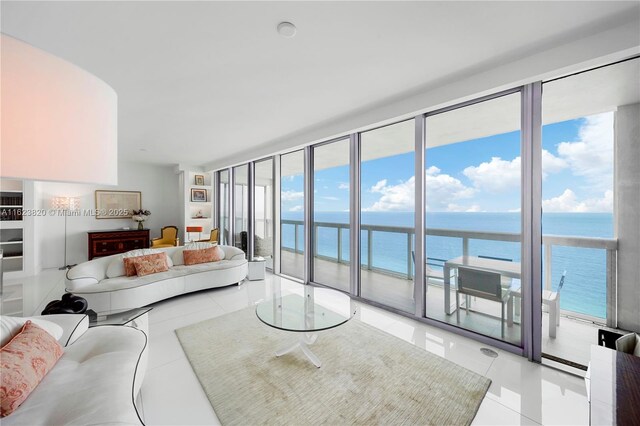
368 233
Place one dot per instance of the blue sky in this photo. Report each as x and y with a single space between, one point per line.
480 175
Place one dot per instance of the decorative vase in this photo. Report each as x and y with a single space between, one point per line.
140 226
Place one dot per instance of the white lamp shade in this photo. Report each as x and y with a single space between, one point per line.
59 122
65 203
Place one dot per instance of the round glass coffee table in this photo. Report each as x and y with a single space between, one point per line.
306 312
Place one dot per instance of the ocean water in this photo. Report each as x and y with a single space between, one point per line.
584 290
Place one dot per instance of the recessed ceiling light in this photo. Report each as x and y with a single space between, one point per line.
287 29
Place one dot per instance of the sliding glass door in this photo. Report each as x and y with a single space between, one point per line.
387 194
588 120
241 206
331 256
223 202
473 179
292 214
263 211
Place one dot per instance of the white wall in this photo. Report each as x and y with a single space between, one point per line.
627 181
160 195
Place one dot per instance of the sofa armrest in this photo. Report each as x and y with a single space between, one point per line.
232 253
87 274
73 326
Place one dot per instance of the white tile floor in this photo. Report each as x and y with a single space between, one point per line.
521 392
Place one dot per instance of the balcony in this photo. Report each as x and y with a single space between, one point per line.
588 260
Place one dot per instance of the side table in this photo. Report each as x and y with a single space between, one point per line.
256 269
136 318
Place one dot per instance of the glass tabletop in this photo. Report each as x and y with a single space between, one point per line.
119 318
308 310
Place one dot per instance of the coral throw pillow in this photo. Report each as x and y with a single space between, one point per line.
25 360
129 266
150 264
211 254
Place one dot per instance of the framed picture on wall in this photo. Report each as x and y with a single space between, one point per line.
199 179
198 195
117 204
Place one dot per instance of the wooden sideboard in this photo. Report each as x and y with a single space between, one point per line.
105 243
613 387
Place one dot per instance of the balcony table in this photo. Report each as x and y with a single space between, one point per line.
503 267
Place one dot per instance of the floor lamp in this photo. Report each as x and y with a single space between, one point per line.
65 205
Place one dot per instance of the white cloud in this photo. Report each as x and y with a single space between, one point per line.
551 163
343 185
441 191
331 198
500 175
457 208
398 197
291 195
568 202
379 186
495 176
591 155
296 209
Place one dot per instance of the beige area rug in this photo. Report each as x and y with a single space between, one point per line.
367 376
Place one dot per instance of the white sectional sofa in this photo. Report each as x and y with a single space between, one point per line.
107 292
96 381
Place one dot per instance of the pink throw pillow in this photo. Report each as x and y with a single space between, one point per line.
129 266
211 254
25 360
150 264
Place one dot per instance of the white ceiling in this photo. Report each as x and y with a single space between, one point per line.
200 81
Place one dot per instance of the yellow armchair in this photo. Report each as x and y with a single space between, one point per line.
169 238
213 238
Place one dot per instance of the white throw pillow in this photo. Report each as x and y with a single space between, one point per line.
199 245
177 257
10 326
116 267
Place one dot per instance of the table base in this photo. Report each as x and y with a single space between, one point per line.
303 343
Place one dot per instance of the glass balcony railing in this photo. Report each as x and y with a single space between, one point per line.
590 263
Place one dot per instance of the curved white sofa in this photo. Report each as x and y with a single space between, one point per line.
106 295
96 381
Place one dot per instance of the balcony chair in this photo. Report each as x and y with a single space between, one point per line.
430 273
552 300
486 285
169 238
506 281
213 237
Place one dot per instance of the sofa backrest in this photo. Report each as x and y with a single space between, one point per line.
93 271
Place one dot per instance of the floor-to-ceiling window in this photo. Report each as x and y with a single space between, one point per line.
241 206
387 194
473 221
584 116
477 179
292 214
331 257
223 203
263 210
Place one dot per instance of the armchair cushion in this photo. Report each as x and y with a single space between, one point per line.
629 344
